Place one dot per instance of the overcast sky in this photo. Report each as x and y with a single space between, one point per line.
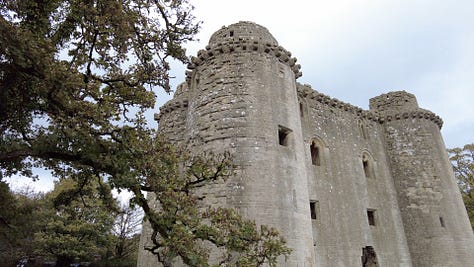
355 50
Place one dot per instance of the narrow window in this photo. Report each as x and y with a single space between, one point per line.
283 136
441 221
365 163
314 208
371 216
315 157
301 110
231 33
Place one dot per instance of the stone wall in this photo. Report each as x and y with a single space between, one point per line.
346 188
243 92
342 184
432 210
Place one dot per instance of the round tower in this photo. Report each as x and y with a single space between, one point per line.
243 99
435 220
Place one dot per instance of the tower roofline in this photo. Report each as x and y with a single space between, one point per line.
243 37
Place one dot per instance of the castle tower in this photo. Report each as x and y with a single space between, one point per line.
244 100
436 225
344 186
240 97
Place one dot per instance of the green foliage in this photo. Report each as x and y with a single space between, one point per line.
76 79
80 224
21 214
77 76
181 226
254 247
462 160
66 224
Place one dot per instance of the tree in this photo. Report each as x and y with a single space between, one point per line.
181 226
77 76
462 160
76 80
22 213
126 230
80 224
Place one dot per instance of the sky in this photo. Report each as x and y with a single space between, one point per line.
356 50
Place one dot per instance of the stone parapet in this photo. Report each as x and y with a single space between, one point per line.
242 45
400 112
416 114
170 106
400 105
305 91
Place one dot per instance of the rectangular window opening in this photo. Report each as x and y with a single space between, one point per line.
365 163
371 217
314 208
441 221
283 136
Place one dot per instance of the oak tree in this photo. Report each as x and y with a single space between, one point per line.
76 78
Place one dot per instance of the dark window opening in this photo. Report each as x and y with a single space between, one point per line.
315 157
365 164
314 206
283 135
441 221
371 217
231 33
301 110
369 258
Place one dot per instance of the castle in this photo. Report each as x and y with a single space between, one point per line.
344 186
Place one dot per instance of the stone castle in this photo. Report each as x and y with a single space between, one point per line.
344 186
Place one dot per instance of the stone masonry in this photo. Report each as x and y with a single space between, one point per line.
345 186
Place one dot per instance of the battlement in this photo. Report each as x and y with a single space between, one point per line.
243 37
386 107
305 91
400 105
243 45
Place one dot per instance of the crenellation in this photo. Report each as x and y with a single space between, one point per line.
305 91
380 177
255 46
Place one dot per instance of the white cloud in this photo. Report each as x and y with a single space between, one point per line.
44 183
355 50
